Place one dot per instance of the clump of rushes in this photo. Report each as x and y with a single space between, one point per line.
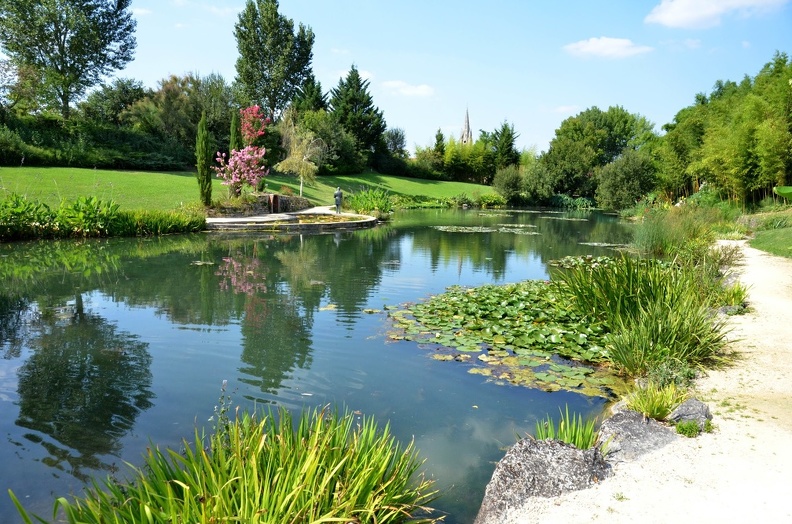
374 201
571 429
332 468
655 401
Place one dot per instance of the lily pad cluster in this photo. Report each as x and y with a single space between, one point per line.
516 229
525 334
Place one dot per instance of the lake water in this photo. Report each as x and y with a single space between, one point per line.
108 346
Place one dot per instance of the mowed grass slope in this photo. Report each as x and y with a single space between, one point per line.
167 191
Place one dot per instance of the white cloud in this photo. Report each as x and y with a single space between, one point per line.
140 11
401 87
701 14
606 47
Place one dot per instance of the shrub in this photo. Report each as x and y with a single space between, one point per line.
655 401
572 430
688 428
490 200
88 217
372 201
508 182
332 468
672 371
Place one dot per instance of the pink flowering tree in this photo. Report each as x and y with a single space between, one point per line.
243 166
253 124
247 165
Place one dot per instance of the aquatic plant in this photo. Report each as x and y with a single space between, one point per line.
571 429
656 401
331 468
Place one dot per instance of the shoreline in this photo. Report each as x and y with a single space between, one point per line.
742 471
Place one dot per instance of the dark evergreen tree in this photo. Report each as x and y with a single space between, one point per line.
309 96
203 157
235 135
439 145
353 107
503 140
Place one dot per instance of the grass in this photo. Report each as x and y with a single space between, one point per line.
776 241
331 468
571 429
655 401
168 191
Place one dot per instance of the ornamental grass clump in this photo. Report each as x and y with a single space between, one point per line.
331 468
656 401
571 429
655 311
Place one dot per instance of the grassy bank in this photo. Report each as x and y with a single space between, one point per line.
168 191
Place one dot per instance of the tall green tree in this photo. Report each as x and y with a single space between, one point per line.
274 60
108 103
353 107
73 43
503 144
203 161
309 96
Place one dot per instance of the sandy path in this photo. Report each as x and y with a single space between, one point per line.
742 472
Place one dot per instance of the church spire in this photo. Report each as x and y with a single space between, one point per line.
467 136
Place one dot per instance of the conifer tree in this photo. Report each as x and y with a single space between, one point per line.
354 109
203 157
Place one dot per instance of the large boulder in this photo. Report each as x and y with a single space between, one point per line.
538 468
628 434
691 409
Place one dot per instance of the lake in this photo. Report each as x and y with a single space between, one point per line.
110 346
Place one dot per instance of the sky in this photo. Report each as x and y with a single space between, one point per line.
530 63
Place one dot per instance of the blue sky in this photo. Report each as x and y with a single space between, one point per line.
530 63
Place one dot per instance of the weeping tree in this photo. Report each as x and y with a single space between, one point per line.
203 157
305 152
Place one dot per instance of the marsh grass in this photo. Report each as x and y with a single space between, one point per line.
656 401
325 468
571 429
370 201
655 311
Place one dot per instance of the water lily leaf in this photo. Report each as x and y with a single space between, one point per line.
441 357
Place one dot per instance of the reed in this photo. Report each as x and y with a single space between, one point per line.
571 429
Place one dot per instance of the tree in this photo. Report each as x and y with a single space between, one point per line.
624 181
235 134
353 107
396 142
203 157
305 151
108 103
503 140
274 61
309 96
73 43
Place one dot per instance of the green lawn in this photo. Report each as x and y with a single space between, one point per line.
166 191
774 241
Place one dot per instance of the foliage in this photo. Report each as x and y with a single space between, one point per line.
688 428
508 183
23 219
396 142
777 241
572 430
656 312
252 125
235 133
309 96
587 142
656 401
353 108
672 371
370 201
73 43
526 334
108 104
274 60
490 200
243 167
342 157
562 201
331 468
503 143
203 157
621 183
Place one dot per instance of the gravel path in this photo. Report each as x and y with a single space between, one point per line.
742 472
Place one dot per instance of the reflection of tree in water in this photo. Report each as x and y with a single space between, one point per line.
14 314
84 386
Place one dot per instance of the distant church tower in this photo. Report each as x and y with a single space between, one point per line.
467 136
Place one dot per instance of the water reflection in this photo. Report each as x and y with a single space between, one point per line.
108 345
82 388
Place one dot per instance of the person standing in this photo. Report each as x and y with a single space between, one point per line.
339 197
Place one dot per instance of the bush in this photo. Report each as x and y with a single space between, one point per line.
688 428
371 201
332 468
508 183
655 312
655 401
490 200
